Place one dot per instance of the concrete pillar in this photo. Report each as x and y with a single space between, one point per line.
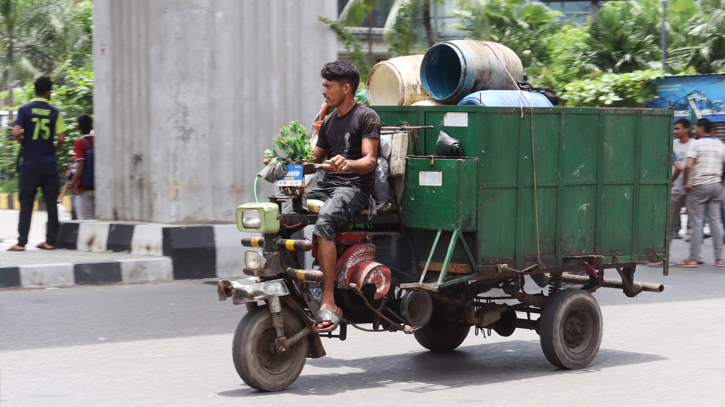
189 93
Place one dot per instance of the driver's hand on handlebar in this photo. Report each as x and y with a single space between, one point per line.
338 163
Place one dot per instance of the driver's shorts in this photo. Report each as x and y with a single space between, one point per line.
341 204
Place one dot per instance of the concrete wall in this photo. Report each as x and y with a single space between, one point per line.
190 92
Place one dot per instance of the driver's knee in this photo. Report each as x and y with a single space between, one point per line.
325 229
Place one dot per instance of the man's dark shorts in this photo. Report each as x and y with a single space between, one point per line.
342 202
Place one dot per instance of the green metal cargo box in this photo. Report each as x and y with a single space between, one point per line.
602 182
440 187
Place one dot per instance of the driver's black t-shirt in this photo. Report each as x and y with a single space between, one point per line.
343 136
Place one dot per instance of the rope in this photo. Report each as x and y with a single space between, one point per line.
533 150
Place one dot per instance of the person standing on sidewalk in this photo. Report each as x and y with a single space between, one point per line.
83 179
704 186
72 165
680 147
36 127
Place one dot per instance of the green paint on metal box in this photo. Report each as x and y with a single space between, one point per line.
438 193
603 179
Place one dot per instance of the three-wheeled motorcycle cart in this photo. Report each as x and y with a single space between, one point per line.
557 194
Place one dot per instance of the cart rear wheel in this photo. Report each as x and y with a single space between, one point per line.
253 351
441 335
571 329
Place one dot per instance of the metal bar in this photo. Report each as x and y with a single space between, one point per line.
560 192
275 308
520 196
296 337
663 35
468 252
637 175
457 280
303 275
608 283
430 256
403 128
599 205
449 254
666 262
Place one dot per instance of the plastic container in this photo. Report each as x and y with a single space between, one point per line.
452 70
396 82
505 98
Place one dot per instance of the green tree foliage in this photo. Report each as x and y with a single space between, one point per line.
519 26
624 40
400 23
352 45
623 90
46 37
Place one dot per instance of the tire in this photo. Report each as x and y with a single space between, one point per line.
255 359
571 329
441 335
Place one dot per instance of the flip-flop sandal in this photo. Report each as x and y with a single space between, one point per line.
328 316
720 265
685 264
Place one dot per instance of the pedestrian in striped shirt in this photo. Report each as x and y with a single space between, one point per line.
704 185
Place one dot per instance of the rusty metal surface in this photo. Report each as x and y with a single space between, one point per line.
637 286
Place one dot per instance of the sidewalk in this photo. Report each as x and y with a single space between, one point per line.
46 268
100 252
9 228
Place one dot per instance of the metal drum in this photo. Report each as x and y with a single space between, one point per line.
452 70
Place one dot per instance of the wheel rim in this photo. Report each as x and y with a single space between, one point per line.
578 330
269 360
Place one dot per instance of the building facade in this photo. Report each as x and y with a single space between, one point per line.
189 93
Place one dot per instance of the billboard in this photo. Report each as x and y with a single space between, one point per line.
707 91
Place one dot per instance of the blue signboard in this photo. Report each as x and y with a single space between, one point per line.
293 177
707 91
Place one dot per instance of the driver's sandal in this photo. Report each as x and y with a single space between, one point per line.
328 316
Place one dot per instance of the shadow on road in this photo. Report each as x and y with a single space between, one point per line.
427 371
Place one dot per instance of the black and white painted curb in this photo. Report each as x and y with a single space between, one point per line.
92 273
185 252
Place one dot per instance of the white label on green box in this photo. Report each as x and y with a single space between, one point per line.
455 119
431 178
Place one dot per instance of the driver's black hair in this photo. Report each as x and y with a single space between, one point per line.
43 85
342 71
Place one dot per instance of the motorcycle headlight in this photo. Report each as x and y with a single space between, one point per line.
251 219
274 288
258 217
252 260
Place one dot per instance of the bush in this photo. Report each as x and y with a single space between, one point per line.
613 90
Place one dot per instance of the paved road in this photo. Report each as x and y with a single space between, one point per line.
169 344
